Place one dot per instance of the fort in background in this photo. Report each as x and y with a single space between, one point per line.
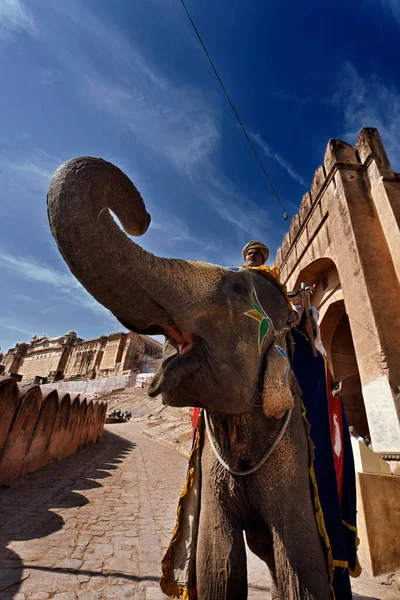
69 358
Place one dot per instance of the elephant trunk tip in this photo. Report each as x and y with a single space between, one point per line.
136 229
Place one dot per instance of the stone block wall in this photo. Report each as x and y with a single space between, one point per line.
89 387
37 428
349 221
378 522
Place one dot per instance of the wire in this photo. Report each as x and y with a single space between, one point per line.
285 214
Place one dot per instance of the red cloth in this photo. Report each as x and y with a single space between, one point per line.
336 423
195 415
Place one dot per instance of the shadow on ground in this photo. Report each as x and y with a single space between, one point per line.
26 505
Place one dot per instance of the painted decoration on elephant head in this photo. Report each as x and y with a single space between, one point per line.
283 353
277 393
259 314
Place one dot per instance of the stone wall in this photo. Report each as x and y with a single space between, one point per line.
37 427
113 350
84 357
378 522
345 240
89 387
41 363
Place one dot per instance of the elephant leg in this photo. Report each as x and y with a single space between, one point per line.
264 550
300 564
221 559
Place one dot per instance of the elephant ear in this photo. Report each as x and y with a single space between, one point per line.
277 390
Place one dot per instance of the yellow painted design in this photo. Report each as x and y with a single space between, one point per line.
258 313
254 314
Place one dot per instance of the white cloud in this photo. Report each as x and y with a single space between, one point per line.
14 17
29 168
24 331
249 220
279 159
50 157
175 121
24 298
175 230
33 168
29 268
65 287
171 121
393 7
369 103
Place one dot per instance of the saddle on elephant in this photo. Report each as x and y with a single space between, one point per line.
331 478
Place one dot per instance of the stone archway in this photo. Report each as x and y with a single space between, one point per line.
336 335
345 369
351 216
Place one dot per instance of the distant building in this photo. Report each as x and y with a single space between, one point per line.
69 358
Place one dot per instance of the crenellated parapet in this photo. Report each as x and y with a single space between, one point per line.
345 241
38 428
339 156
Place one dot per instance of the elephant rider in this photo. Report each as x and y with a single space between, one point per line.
255 255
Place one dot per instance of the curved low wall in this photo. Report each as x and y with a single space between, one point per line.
37 428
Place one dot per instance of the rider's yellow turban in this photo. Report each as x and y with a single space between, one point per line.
259 246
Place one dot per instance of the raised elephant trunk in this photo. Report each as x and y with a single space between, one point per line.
136 286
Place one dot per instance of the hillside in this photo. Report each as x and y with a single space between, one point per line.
166 425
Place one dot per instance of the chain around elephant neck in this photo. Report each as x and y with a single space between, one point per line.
270 450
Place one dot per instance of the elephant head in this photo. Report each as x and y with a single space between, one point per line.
219 324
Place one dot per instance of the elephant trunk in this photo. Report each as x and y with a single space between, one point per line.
136 286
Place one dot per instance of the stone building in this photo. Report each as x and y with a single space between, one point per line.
84 359
43 357
13 359
345 240
70 358
125 352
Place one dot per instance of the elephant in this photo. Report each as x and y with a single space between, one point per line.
226 339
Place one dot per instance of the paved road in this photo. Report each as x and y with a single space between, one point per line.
95 526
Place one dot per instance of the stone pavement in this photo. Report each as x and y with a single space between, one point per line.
95 526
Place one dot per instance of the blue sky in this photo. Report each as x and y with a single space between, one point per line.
127 81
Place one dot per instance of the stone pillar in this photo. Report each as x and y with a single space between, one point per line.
385 189
366 245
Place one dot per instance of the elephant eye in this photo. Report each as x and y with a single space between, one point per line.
239 289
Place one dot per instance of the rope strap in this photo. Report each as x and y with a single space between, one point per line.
261 462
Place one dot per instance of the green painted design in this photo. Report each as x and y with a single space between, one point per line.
262 331
257 306
259 315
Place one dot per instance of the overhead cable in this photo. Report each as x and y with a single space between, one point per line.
257 156
285 214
